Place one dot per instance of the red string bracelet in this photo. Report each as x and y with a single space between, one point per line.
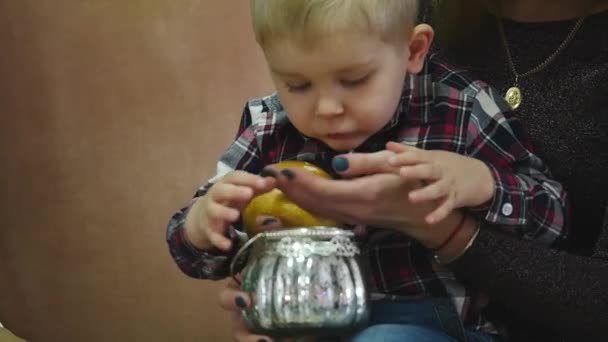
454 232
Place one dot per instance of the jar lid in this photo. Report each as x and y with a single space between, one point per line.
312 232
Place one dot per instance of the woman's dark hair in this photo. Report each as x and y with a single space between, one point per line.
456 19
459 24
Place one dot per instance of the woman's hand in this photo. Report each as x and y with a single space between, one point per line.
234 300
372 194
378 199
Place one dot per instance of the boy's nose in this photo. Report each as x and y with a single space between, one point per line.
329 106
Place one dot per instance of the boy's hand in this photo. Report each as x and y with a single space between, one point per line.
452 180
212 214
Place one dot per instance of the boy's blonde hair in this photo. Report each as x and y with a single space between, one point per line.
308 21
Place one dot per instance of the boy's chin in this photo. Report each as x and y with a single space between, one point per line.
343 145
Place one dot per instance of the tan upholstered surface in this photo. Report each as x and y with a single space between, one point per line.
111 113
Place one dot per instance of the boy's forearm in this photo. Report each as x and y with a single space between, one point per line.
486 191
528 199
524 196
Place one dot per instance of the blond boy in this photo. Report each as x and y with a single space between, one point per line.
354 75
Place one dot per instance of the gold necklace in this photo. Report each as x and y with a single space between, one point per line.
514 95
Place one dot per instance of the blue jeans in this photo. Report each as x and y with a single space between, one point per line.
414 333
417 320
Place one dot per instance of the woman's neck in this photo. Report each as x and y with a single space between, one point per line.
549 10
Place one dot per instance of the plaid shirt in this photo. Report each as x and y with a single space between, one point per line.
440 109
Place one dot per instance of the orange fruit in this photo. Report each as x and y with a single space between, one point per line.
275 203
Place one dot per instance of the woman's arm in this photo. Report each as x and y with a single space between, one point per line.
557 290
551 289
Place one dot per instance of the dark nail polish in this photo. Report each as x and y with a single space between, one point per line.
262 340
240 302
268 173
340 164
288 173
268 221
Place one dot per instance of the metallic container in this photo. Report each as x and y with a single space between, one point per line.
303 281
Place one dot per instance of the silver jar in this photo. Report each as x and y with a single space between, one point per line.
304 281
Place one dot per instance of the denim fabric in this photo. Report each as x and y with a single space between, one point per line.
417 320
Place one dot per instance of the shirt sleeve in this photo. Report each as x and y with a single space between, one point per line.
527 201
242 154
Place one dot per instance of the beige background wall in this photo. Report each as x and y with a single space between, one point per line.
111 113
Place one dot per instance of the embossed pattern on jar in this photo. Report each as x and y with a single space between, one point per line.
304 281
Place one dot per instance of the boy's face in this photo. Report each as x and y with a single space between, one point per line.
341 91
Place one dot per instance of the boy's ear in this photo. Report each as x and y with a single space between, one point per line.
419 45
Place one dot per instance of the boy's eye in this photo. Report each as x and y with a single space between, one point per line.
293 88
355 82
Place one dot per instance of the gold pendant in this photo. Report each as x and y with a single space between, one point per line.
513 97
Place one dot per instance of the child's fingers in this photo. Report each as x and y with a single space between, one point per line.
405 155
407 158
431 192
219 212
219 217
424 171
269 184
219 240
441 212
243 178
396 147
259 184
230 193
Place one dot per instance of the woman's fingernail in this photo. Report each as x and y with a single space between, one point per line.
268 173
262 340
288 173
240 302
340 164
269 221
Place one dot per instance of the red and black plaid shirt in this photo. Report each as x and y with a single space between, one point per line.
440 109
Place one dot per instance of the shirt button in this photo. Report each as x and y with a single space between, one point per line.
507 209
